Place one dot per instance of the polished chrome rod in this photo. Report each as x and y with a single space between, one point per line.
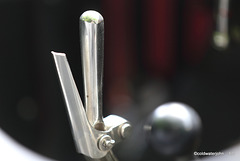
221 35
92 50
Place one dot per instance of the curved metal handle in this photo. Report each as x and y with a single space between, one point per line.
92 49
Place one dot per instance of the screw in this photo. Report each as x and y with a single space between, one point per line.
125 130
105 143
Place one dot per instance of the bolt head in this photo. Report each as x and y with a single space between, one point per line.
105 143
125 130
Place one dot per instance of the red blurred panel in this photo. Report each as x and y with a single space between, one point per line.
160 45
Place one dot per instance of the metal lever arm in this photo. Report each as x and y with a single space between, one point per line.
92 44
85 136
89 141
94 136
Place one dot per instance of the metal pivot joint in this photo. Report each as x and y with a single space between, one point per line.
94 135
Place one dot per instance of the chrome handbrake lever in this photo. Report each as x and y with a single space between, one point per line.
91 28
94 135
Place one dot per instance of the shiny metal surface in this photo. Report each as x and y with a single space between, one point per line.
92 50
86 137
221 36
93 135
109 157
106 143
174 129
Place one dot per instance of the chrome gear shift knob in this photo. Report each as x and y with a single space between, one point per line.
174 129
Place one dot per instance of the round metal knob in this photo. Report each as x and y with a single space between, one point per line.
173 129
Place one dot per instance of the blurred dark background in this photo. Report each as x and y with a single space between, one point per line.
155 52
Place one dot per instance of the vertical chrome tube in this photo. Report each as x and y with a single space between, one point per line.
92 50
222 18
221 37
